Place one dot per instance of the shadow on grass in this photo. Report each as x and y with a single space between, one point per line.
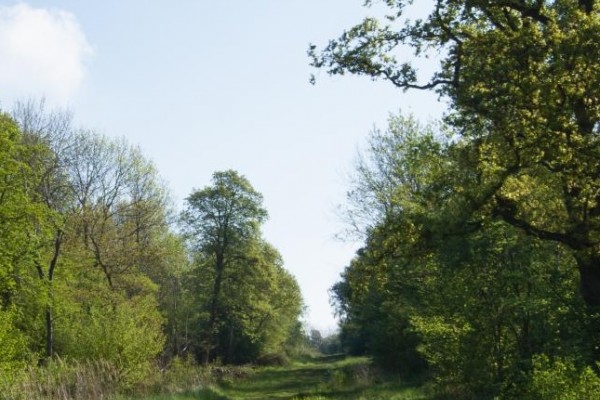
320 378
208 394
287 382
202 394
282 380
323 359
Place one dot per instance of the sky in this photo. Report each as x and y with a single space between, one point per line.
205 86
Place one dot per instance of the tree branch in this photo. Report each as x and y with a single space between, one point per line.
533 13
507 210
587 5
406 85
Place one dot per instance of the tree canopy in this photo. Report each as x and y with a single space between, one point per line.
521 79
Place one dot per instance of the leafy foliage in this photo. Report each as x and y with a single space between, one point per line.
464 294
520 80
83 221
490 249
246 303
561 379
96 287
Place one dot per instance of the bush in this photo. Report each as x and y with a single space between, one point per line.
105 380
13 347
560 379
126 332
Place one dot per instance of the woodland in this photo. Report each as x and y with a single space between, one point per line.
480 263
97 267
478 276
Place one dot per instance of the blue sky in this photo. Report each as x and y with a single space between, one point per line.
204 86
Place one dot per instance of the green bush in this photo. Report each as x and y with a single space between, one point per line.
560 379
125 331
441 345
13 346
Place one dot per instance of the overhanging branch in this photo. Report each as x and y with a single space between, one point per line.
525 11
507 210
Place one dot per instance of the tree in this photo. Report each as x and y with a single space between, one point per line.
102 248
522 83
21 227
48 137
475 302
118 250
107 204
246 304
219 219
396 201
260 303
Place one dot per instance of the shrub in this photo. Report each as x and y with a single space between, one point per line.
560 379
13 349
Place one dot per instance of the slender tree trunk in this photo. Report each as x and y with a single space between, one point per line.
50 279
214 307
206 356
49 333
230 344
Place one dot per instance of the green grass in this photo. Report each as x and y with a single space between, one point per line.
204 394
323 378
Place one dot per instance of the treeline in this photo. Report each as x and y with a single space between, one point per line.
477 303
481 265
95 263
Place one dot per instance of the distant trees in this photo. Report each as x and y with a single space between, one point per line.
246 302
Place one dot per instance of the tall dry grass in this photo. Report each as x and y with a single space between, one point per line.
59 380
103 380
184 376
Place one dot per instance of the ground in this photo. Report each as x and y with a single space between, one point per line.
323 378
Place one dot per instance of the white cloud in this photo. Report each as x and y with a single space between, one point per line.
42 53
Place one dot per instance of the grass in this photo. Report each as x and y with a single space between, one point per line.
322 378
204 394
60 380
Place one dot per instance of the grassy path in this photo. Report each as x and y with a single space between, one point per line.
324 378
298 381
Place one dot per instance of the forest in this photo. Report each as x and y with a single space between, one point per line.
478 275
96 265
480 263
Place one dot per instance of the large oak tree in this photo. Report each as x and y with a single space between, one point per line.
522 80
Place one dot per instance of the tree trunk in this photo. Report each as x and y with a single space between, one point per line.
205 356
589 272
230 344
50 306
214 306
49 333
588 263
